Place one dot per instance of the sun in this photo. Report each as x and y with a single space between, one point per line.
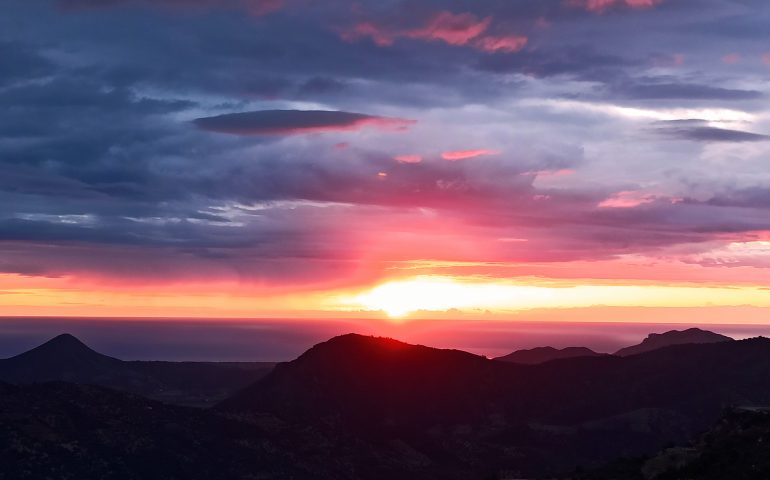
400 298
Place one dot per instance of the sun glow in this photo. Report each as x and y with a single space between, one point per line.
400 298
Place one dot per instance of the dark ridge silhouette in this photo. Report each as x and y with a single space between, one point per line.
62 358
66 358
735 448
464 409
539 355
62 430
655 341
368 408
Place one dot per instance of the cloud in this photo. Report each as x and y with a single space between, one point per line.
458 29
21 62
714 134
627 199
408 158
100 175
465 154
650 89
600 6
255 7
452 28
292 122
508 44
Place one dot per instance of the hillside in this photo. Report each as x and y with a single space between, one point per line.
65 358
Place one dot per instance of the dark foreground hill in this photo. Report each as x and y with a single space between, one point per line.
65 358
738 447
655 341
67 431
539 355
478 415
368 408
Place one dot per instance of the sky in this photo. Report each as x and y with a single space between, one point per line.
560 160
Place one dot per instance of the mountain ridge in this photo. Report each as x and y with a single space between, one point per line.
66 358
537 355
655 341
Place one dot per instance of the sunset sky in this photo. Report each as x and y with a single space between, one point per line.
392 159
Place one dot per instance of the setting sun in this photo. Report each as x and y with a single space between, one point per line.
399 298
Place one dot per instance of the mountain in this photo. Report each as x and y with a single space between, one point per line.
655 341
65 358
62 358
368 408
538 355
466 414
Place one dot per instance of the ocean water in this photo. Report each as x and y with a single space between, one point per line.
285 339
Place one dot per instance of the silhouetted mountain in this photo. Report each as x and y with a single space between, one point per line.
65 358
538 355
655 341
366 408
476 416
62 358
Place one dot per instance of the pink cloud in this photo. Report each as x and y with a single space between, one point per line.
628 199
452 28
600 6
632 198
731 58
465 154
408 158
459 29
766 59
511 43
368 29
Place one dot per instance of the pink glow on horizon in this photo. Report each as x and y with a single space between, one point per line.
731 59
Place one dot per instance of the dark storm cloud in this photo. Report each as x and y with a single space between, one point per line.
288 122
101 166
19 62
583 62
